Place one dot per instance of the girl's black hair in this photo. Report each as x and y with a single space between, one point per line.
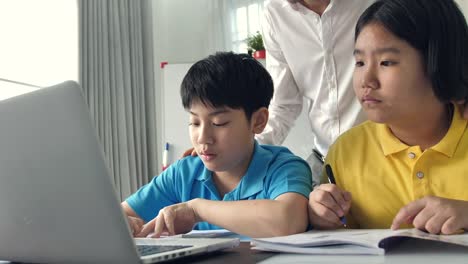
438 30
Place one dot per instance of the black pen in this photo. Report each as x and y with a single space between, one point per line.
331 179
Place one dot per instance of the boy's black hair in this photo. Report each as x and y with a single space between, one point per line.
438 30
227 79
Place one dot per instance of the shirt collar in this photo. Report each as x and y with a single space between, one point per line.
302 8
449 143
252 182
389 143
204 175
447 146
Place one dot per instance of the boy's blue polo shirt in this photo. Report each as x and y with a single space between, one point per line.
273 171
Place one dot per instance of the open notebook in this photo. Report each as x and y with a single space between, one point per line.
57 199
349 241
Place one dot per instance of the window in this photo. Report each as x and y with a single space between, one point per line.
39 44
246 17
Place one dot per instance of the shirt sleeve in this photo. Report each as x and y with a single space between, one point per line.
286 104
290 175
157 194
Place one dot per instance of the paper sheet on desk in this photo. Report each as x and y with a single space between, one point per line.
208 233
322 250
222 233
322 243
361 237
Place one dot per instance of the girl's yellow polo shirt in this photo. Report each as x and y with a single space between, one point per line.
383 174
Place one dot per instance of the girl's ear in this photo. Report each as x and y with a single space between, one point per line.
259 120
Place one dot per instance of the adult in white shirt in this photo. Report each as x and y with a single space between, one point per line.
309 46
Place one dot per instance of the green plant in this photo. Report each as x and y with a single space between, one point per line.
255 42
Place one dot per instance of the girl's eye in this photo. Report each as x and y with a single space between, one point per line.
194 124
359 63
387 63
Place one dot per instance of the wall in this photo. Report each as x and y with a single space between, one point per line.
39 44
463 4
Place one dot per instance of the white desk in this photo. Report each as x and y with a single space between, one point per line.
409 252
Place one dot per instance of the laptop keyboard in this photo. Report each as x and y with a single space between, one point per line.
146 250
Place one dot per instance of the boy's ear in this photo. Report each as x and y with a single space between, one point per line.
259 120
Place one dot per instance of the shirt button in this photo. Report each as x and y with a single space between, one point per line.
420 174
411 155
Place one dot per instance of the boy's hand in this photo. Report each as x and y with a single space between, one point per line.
175 219
327 203
435 215
191 151
136 224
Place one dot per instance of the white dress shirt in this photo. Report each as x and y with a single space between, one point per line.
311 57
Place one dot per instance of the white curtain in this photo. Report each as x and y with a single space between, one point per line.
219 28
117 76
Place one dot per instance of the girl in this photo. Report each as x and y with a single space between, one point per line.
407 165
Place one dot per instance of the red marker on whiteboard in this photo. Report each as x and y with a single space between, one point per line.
164 159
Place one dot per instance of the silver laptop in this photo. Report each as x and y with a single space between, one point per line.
57 201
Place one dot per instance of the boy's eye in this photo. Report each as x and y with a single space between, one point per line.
220 124
194 124
359 63
387 63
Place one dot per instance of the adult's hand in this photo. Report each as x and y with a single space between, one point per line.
190 152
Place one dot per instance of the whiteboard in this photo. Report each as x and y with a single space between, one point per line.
175 130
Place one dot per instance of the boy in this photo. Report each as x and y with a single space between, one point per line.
233 183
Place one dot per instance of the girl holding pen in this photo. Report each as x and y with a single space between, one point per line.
407 165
